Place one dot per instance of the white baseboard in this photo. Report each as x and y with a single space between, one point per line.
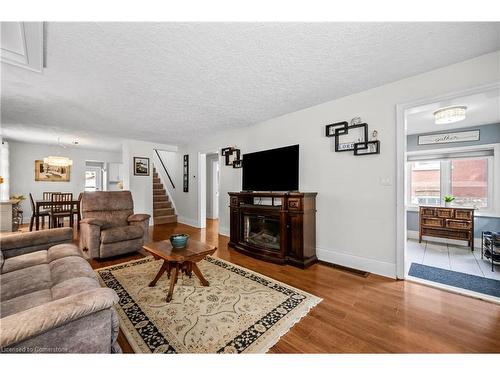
224 231
413 235
187 221
360 263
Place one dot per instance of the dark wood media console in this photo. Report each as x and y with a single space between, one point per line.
277 227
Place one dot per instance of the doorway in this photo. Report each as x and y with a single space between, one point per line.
94 176
440 160
212 184
208 189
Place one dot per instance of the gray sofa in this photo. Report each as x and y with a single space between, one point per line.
51 301
109 226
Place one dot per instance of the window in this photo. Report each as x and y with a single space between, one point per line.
466 178
426 182
90 181
469 182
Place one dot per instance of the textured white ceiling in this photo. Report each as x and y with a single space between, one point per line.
170 82
482 109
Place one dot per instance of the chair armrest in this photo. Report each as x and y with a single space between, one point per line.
93 221
37 320
138 217
27 242
90 236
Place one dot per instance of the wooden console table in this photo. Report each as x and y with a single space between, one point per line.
286 226
447 222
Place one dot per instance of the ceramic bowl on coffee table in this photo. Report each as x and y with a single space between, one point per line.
179 241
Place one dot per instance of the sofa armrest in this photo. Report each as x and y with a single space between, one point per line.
93 221
27 242
138 217
37 320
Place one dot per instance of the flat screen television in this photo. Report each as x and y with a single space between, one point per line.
272 170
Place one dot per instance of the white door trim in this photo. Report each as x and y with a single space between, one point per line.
202 190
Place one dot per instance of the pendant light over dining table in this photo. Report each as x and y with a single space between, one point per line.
58 161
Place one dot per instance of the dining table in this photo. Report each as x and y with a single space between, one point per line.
44 203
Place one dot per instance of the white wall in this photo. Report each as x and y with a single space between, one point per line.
356 213
4 170
22 169
140 186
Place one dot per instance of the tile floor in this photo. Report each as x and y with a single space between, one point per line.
450 257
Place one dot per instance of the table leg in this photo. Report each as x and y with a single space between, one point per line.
173 280
198 273
162 270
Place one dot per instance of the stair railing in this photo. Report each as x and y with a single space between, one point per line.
165 168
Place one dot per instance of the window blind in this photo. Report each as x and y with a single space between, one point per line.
451 155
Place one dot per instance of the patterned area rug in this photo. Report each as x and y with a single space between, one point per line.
240 312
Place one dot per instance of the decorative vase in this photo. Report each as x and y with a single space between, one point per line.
179 241
447 204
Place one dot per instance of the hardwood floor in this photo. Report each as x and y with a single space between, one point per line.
360 314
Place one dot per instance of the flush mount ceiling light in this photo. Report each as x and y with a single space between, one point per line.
450 115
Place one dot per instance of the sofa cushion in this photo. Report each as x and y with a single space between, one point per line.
73 286
68 268
119 234
27 242
63 250
24 261
112 207
25 302
24 281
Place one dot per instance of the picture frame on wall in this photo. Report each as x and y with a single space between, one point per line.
141 166
51 173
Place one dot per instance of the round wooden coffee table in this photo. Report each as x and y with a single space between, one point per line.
176 261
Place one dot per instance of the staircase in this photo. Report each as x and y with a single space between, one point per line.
163 212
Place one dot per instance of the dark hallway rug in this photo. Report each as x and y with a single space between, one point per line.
457 279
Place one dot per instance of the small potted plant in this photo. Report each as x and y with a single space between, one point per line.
18 196
448 199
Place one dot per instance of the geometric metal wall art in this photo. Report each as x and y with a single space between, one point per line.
353 137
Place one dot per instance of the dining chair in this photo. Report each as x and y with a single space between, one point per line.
42 214
77 210
47 196
60 211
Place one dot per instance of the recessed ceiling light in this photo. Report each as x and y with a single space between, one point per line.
450 115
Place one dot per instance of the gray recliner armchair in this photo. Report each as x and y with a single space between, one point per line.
109 226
